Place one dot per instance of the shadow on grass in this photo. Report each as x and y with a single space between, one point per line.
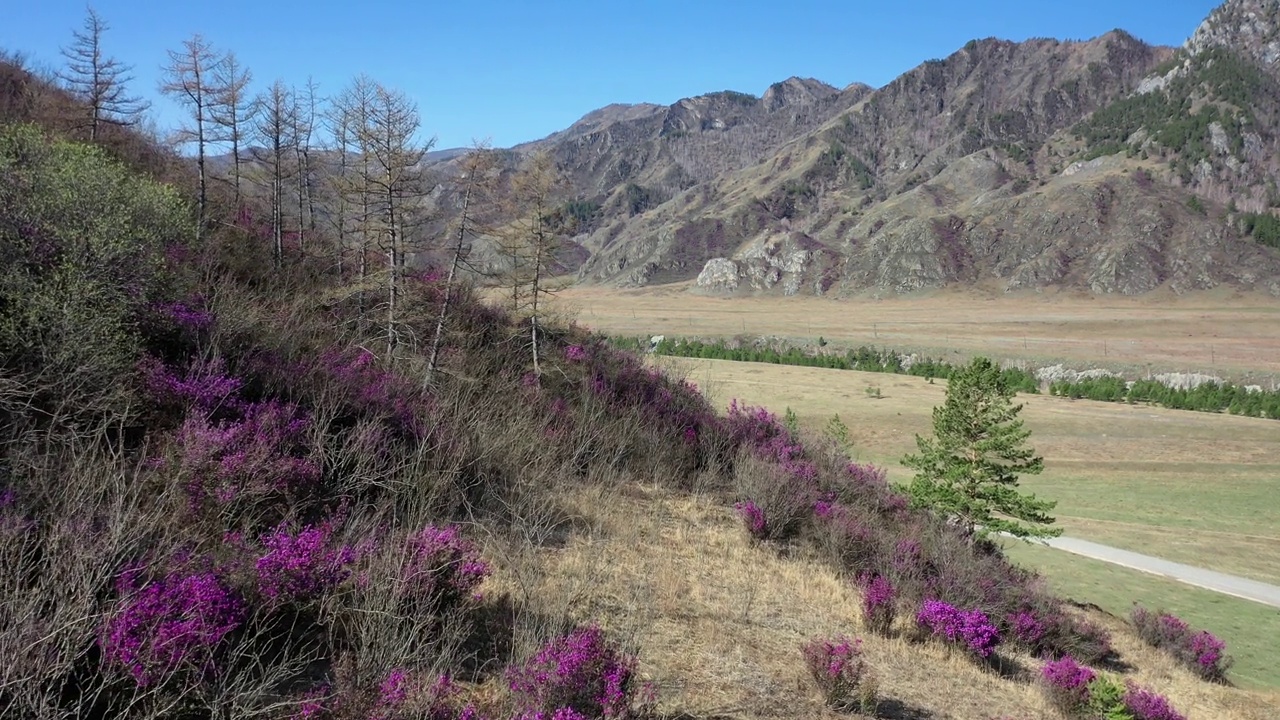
891 709
1008 668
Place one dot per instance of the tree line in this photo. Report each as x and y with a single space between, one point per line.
864 358
1207 397
336 179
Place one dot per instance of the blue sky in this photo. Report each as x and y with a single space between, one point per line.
516 71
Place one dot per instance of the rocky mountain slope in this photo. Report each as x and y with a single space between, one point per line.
1107 165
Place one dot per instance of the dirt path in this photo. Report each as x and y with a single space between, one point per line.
1208 579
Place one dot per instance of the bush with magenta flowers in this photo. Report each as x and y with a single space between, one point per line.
442 569
970 629
879 602
301 566
170 624
582 672
1066 683
1144 704
840 672
1201 652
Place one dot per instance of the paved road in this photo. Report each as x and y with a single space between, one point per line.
1207 579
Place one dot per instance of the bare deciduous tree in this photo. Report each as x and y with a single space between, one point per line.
476 180
274 128
531 243
232 111
97 80
189 78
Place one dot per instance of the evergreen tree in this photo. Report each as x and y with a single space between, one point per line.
969 470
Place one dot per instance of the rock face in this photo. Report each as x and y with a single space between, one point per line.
1250 28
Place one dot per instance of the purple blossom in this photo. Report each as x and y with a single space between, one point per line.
204 387
301 567
970 628
1027 629
1067 683
754 518
838 669
171 623
879 599
259 454
575 353
582 672
443 568
1144 704
191 315
394 689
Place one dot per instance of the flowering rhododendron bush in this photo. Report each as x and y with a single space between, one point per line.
841 672
1200 651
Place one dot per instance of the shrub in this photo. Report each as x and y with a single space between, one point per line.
170 624
841 672
970 628
879 600
443 569
582 672
300 567
1144 704
1066 683
1201 652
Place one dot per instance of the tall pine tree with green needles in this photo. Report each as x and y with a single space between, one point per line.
969 470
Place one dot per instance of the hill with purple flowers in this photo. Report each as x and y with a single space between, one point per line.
239 478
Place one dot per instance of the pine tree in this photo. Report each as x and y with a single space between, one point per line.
969 470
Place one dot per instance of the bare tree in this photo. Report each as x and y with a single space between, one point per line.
531 242
97 80
189 78
476 180
351 115
232 111
304 120
395 179
274 130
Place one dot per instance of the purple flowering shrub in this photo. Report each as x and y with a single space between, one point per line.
170 624
840 672
1066 684
441 569
1201 652
402 696
970 629
204 388
301 566
879 602
582 673
1144 704
363 387
262 454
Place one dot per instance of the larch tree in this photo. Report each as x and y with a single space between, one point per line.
99 81
968 471
531 243
476 184
190 79
274 134
351 117
232 111
304 121
394 177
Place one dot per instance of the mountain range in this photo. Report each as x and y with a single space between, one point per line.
1107 165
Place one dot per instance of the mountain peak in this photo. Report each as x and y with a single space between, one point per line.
796 90
1248 27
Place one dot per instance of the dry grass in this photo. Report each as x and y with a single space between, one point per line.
1223 331
718 622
